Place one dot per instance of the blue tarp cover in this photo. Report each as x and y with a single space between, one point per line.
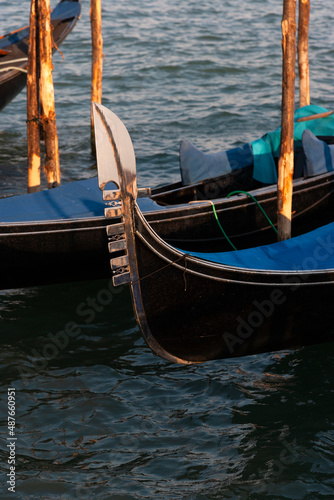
310 251
196 166
75 200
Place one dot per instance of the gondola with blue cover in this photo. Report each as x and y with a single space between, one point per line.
199 306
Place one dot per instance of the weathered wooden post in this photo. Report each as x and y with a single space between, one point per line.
302 47
286 158
97 59
48 113
34 154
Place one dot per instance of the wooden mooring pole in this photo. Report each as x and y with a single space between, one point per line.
302 47
40 99
97 59
48 112
286 158
34 154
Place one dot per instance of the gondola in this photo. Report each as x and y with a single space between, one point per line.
199 306
14 49
61 232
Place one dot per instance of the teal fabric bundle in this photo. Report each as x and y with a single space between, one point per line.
197 166
267 148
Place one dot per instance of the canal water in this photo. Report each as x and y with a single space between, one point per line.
97 414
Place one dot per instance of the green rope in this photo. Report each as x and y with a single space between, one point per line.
258 204
220 226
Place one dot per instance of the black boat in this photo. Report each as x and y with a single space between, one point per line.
61 232
14 49
199 306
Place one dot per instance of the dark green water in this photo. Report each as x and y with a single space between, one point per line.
98 415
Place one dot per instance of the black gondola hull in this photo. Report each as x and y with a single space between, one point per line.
192 311
76 249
